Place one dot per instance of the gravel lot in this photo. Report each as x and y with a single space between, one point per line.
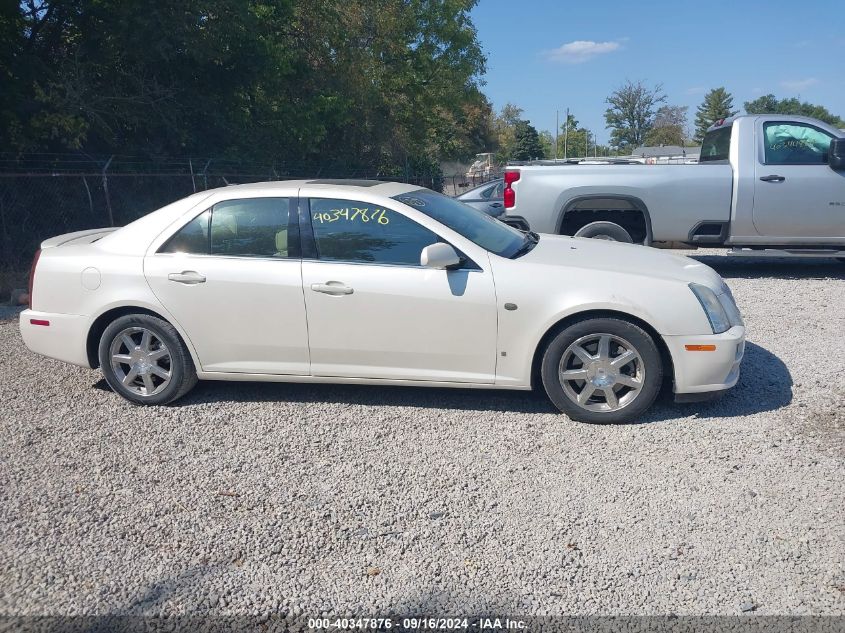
256 498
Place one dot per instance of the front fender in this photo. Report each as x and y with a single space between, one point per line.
667 306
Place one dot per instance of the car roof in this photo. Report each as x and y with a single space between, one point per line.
327 185
483 185
773 116
136 236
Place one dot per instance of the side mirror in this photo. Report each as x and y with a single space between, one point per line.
836 154
439 256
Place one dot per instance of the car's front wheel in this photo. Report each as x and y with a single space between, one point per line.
602 370
144 360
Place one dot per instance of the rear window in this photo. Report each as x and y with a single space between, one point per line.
716 145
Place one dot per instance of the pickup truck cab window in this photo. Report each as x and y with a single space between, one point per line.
795 144
362 232
716 145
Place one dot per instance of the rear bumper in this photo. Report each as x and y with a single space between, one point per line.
706 372
59 336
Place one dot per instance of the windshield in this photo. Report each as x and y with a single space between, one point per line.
476 226
716 145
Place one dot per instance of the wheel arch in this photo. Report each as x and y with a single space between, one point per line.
99 325
635 202
565 322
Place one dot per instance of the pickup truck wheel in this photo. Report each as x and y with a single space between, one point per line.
604 230
602 371
144 360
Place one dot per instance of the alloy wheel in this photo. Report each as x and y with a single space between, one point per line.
141 361
601 372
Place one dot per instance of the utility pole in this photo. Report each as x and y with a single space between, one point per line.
566 136
557 129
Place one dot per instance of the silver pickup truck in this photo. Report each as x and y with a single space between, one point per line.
764 185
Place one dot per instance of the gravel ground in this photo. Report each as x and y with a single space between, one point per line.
256 498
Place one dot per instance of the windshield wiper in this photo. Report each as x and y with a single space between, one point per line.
531 239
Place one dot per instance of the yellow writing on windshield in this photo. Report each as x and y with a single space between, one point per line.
353 214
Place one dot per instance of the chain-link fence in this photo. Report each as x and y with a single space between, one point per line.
46 195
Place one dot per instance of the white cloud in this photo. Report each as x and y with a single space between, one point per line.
798 85
581 51
696 90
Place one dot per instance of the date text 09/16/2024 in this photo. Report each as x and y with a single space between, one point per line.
417 624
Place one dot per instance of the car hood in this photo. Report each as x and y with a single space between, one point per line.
631 259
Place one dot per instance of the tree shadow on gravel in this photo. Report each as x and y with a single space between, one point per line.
765 384
773 267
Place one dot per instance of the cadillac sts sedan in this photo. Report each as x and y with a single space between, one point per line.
378 283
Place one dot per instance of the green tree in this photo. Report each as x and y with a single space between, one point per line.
572 139
669 128
547 142
717 104
769 104
527 144
331 81
504 131
631 113
511 114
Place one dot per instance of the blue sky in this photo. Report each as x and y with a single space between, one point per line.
550 55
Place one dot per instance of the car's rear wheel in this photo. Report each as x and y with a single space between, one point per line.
604 230
602 371
144 360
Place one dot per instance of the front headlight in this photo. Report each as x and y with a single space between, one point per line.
719 319
729 306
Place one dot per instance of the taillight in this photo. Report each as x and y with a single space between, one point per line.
509 194
32 275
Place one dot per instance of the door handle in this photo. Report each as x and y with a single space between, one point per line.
773 178
334 288
189 277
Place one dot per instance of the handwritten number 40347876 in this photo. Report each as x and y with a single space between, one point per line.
353 214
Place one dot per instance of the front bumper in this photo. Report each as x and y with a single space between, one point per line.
59 336
701 372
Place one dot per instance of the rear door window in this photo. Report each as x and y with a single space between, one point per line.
191 238
486 193
250 227
253 227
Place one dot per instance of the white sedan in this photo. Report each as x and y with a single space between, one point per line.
378 283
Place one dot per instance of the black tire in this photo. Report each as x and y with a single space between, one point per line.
618 330
604 230
177 361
